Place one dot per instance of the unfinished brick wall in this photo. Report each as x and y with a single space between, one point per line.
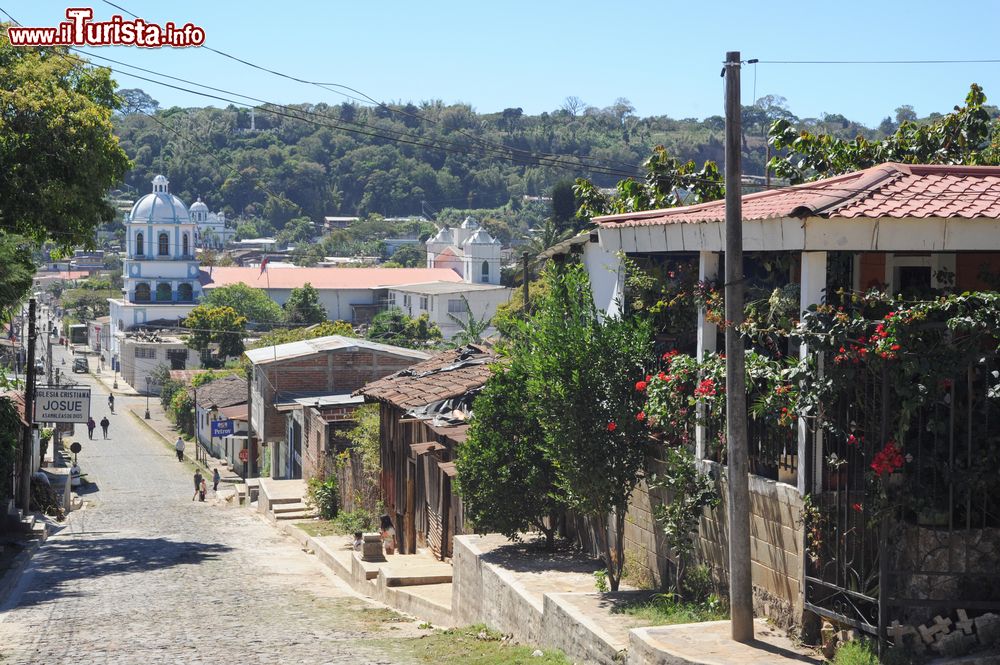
776 538
328 372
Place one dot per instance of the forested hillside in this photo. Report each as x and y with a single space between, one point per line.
315 160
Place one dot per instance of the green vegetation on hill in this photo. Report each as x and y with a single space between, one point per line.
317 159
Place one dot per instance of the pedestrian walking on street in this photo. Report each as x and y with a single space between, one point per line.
90 427
215 480
111 403
179 448
198 480
105 423
202 490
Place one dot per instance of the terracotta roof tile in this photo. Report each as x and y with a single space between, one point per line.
448 374
887 190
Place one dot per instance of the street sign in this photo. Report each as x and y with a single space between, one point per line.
244 455
222 427
75 447
62 405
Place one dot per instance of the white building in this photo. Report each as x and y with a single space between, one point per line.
213 231
468 250
160 268
444 302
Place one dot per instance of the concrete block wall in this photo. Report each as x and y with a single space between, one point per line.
775 545
645 544
776 539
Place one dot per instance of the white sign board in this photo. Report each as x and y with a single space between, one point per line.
62 405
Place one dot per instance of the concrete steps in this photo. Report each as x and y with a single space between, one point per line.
291 510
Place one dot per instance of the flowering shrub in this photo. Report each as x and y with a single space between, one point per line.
887 460
684 394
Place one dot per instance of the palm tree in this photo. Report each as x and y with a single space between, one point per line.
544 237
471 329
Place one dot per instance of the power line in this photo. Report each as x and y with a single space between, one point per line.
879 62
403 112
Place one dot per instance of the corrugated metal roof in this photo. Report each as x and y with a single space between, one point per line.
448 374
270 354
888 190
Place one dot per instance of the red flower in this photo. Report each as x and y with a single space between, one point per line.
640 385
856 506
670 354
894 347
612 426
852 440
661 376
648 377
640 416
705 389
887 460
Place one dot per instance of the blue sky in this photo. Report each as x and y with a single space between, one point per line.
664 57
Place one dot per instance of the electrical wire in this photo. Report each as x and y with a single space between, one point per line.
403 112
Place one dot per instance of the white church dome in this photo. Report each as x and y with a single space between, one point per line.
198 206
470 223
443 236
480 237
160 206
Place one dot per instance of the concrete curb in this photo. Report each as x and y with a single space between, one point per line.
170 444
13 575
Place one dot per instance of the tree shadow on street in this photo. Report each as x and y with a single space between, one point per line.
60 562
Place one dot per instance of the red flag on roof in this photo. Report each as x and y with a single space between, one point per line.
263 264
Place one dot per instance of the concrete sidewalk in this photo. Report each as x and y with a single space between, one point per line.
108 380
160 424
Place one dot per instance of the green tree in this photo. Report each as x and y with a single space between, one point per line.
18 271
135 100
965 136
286 335
58 154
394 327
222 326
581 374
296 231
506 482
564 204
252 304
303 306
85 304
668 183
410 256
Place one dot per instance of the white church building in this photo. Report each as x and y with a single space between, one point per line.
160 267
212 230
468 250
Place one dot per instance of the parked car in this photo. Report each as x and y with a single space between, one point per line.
80 365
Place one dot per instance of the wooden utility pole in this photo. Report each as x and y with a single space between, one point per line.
740 589
27 443
524 258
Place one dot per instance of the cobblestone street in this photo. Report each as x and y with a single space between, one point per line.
145 575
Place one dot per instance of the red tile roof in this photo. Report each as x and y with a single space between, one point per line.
448 374
325 278
887 190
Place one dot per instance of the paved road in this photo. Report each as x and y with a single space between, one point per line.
145 575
